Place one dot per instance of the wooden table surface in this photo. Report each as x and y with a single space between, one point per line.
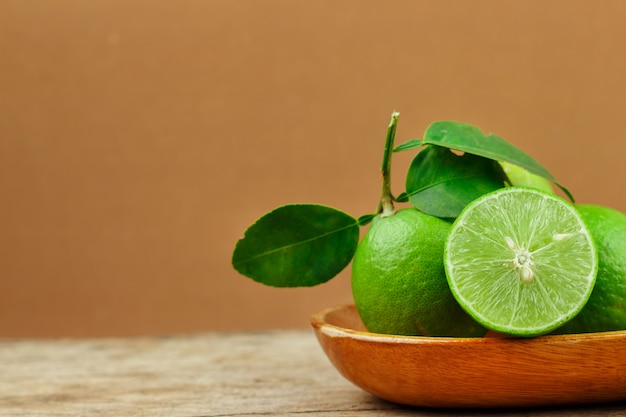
271 373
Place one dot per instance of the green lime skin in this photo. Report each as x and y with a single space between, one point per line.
606 308
398 279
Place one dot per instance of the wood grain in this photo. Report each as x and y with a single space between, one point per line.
273 373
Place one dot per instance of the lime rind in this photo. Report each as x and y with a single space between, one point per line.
520 261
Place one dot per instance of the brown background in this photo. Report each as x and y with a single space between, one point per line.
138 139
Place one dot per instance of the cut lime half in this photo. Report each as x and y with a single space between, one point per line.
520 261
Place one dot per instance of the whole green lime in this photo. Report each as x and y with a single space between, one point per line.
398 279
606 308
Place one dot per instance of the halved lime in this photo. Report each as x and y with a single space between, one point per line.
520 261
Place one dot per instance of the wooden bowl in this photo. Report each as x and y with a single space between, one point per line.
474 372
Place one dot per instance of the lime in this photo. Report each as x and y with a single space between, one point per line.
518 176
606 308
520 261
398 279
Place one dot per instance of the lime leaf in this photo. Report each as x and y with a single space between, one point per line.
365 219
297 245
470 139
402 197
442 183
408 145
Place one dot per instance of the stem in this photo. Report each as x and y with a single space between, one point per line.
385 206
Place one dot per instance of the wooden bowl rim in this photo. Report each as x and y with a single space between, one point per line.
320 321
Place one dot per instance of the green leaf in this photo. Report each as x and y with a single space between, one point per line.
402 197
442 183
408 145
297 245
365 219
470 139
